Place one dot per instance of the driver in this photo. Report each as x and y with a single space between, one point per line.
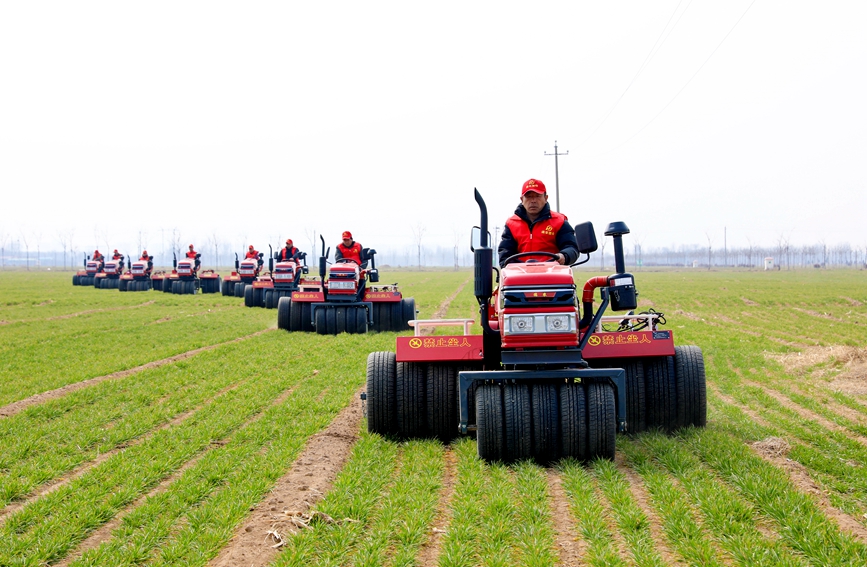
535 228
348 249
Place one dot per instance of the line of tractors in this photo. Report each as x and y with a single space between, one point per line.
550 376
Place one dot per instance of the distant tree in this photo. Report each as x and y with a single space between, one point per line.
709 251
418 236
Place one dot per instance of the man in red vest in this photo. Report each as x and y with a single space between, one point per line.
288 252
536 228
193 255
348 249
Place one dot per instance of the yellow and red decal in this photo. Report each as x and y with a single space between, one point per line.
382 296
627 344
426 349
308 296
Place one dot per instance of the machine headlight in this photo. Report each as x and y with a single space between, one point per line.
557 323
520 324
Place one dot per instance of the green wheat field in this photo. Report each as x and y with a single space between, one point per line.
156 429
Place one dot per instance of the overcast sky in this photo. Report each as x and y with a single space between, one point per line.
690 120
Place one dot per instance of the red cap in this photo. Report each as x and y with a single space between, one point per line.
144 253
347 234
533 185
115 250
191 245
251 247
289 242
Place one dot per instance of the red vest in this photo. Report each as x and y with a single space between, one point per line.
541 238
192 254
351 253
253 254
286 253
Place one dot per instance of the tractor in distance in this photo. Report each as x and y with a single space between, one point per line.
186 278
112 270
541 381
340 300
245 273
138 277
280 280
83 276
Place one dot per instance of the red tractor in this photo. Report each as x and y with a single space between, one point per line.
82 277
246 271
341 301
281 279
109 277
138 277
187 279
541 381
92 268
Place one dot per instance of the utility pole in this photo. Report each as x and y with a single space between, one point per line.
557 174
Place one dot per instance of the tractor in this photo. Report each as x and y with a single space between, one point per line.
80 277
138 278
87 276
246 271
186 279
542 381
109 277
281 279
341 301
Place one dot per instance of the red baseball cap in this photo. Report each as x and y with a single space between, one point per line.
289 241
347 234
533 185
251 247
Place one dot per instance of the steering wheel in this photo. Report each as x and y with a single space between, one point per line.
346 261
516 257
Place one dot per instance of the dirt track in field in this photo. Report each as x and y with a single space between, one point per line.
21 405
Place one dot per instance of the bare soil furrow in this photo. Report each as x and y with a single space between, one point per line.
642 500
774 451
20 405
806 413
310 477
89 311
430 551
104 533
82 469
570 546
441 311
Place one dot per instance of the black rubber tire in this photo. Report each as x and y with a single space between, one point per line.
396 312
168 285
339 320
442 401
546 422
690 386
320 323
294 313
269 296
636 399
601 421
489 419
573 421
258 297
517 422
381 400
361 320
307 318
408 306
284 314
660 392
248 296
381 322
410 399
330 321
224 289
350 319
177 287
75 279
123 284
239 289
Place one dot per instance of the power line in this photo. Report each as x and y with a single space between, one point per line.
687 83
650 54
